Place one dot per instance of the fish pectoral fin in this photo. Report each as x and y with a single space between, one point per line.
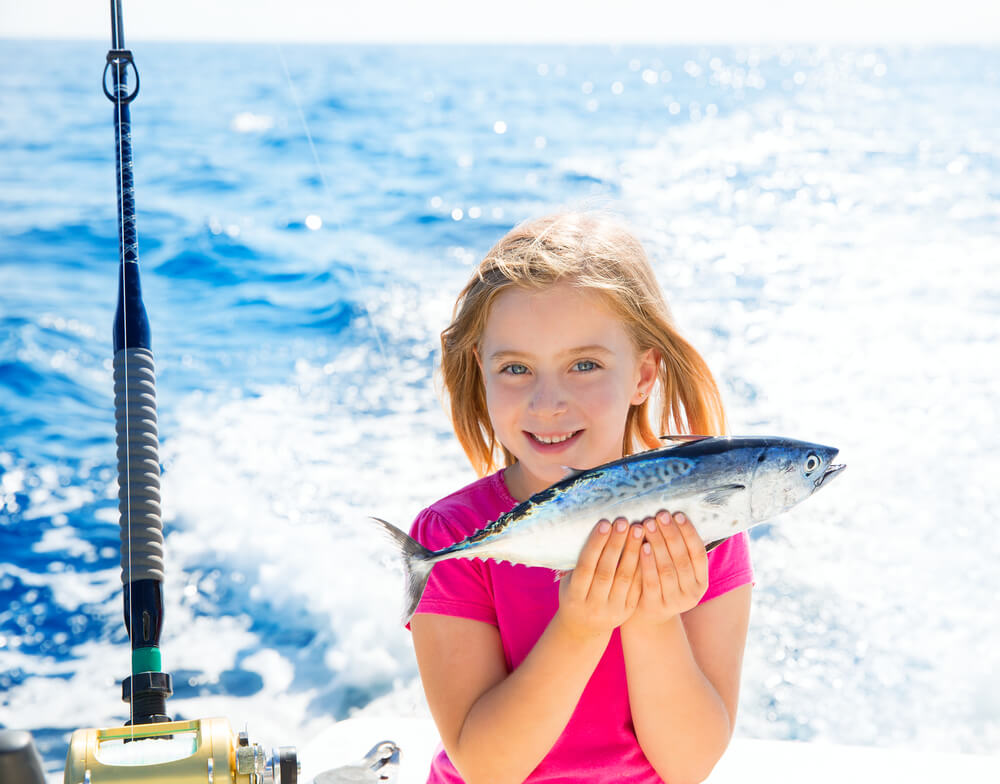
719 496
712 545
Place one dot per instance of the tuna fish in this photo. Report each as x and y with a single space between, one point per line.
723 486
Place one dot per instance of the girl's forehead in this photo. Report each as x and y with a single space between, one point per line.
562 295
552 316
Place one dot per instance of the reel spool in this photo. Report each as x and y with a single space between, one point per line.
200 751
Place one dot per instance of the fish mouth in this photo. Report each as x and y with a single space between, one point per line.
830 473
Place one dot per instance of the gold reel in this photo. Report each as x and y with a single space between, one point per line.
201 751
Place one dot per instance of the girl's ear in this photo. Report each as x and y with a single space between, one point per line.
649 363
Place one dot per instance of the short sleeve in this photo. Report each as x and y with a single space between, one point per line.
729 566
460 587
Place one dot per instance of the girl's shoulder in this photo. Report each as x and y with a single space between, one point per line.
463 512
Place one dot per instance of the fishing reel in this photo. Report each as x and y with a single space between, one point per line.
200 751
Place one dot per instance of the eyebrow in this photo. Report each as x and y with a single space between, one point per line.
509 353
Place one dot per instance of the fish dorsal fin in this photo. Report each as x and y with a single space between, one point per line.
678 440
719 496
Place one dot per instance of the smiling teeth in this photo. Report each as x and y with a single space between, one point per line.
553 439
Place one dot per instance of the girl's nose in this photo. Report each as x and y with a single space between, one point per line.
547 399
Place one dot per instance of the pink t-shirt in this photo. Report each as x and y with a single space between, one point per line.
599 743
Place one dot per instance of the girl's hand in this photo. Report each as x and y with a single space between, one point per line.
673 568
603 590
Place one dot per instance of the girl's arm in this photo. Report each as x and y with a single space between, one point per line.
495 726
682 659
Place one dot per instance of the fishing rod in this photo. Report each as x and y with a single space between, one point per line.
150 747
139 520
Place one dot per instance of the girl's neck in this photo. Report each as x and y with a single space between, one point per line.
517 485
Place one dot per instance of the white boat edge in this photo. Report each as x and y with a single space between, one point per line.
747 761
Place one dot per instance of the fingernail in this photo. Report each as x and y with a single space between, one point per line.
646 548
620 526
636 531
680 517
604 527
651 525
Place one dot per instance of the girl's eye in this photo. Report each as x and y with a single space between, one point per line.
514 369
586 364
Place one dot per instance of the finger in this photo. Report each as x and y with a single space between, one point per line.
696 549
627 565
582 575
635 590
682 565
665 568
650 577
607 563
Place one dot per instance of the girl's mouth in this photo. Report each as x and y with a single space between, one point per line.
553 442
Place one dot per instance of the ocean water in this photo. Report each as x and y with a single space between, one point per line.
825 223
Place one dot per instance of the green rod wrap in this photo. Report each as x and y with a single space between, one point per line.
146 660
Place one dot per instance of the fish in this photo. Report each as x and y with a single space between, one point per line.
723 484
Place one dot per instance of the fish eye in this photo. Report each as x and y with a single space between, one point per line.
812 463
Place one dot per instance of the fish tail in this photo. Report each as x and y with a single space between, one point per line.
417 563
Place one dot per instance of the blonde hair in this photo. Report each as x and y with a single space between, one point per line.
594 252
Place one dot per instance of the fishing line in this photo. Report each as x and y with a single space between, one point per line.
332 202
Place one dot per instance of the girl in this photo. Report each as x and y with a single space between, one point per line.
627 668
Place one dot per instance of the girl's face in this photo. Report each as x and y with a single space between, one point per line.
560 373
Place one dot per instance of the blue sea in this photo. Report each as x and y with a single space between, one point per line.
825 223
